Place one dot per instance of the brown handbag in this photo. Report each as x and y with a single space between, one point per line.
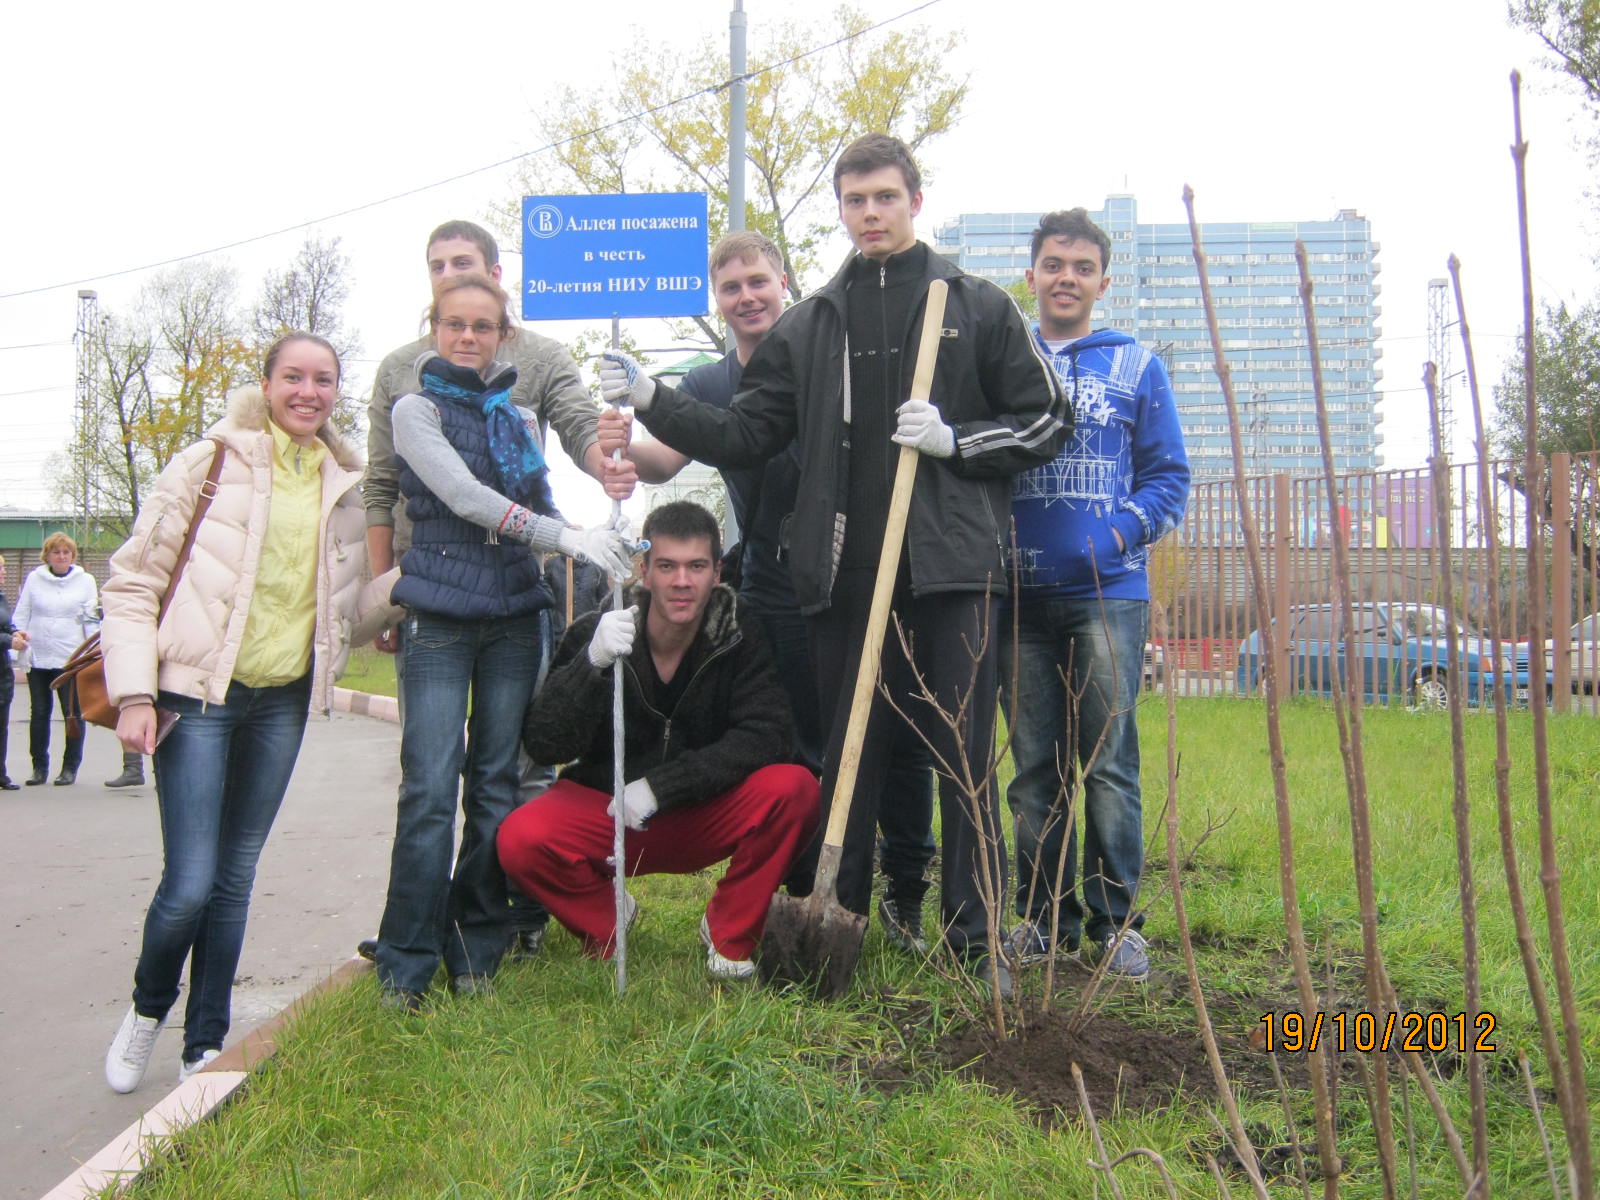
82 682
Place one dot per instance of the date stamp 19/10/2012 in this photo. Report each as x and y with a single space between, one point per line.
1294 1032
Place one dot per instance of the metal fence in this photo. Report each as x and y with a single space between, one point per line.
1401 534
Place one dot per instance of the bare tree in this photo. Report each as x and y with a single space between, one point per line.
801 114
309 296
110 461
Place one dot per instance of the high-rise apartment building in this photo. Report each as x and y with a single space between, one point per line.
1155 297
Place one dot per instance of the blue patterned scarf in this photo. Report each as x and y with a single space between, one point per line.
522 470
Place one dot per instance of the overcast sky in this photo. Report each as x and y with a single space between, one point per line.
139 132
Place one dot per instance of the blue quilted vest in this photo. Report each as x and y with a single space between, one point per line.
454 567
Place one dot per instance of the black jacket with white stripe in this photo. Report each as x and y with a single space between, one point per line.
992 386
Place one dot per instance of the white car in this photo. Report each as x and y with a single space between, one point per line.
1583 651
1154 663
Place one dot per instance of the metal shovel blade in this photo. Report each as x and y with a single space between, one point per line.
811 942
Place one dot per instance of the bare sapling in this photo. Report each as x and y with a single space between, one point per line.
1538 1120
1289 1125
1202 1016
1347 710
1063 814
975 795
1527 948
1460 805
1104 1162
1574 1104
1293 926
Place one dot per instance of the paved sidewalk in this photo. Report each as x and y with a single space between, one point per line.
78 866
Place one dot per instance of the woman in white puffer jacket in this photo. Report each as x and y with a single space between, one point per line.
59 607
260 623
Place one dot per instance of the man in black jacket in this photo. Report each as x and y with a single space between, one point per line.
832 377
708 741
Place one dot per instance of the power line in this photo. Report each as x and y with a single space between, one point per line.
712 89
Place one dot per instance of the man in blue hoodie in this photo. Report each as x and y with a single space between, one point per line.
1085 524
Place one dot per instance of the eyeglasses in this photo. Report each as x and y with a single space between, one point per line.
480 328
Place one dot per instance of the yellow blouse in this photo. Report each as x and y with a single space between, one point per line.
283 608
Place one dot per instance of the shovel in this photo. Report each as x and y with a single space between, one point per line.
814 940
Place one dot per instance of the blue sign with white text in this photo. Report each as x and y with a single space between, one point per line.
633 255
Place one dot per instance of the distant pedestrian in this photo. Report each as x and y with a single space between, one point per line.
8 639
59 607
258 626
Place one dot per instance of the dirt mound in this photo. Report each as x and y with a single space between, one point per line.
1123 1065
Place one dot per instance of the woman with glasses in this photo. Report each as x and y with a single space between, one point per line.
477 492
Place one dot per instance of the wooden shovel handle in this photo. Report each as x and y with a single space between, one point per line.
894 536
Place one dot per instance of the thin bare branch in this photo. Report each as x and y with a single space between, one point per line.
1574 1100
1293 925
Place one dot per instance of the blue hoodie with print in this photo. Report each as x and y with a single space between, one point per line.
1124 468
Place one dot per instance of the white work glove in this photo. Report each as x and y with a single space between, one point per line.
603 546
638 804
623 381
613 636
923 429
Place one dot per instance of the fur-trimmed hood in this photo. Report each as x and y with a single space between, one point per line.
247 414
720 623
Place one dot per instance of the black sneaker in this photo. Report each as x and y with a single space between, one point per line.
978 968
367 948
902 926
525 944
471 983
405 1001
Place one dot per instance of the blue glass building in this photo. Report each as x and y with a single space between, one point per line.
1155 297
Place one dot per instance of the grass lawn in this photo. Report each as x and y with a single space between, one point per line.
369 670
555 1087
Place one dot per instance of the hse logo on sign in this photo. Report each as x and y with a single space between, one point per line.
633 255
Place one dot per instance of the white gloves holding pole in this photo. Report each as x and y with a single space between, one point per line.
923 429
613 636
604 546
623 381
638 805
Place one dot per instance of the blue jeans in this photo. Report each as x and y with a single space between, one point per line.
432 912
220 776
1099 646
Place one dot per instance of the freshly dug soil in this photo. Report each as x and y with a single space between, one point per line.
1123 1065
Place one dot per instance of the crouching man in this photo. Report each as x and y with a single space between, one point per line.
708 740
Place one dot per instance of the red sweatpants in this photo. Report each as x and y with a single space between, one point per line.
555 848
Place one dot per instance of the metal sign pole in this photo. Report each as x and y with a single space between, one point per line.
619 826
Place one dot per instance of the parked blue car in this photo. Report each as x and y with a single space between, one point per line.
1403 651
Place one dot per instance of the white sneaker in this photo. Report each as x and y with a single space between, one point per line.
186 1069
729 970
630 915
130 1050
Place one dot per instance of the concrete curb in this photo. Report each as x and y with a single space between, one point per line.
365 704
120 1161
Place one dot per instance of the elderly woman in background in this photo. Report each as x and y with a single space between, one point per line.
59 607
